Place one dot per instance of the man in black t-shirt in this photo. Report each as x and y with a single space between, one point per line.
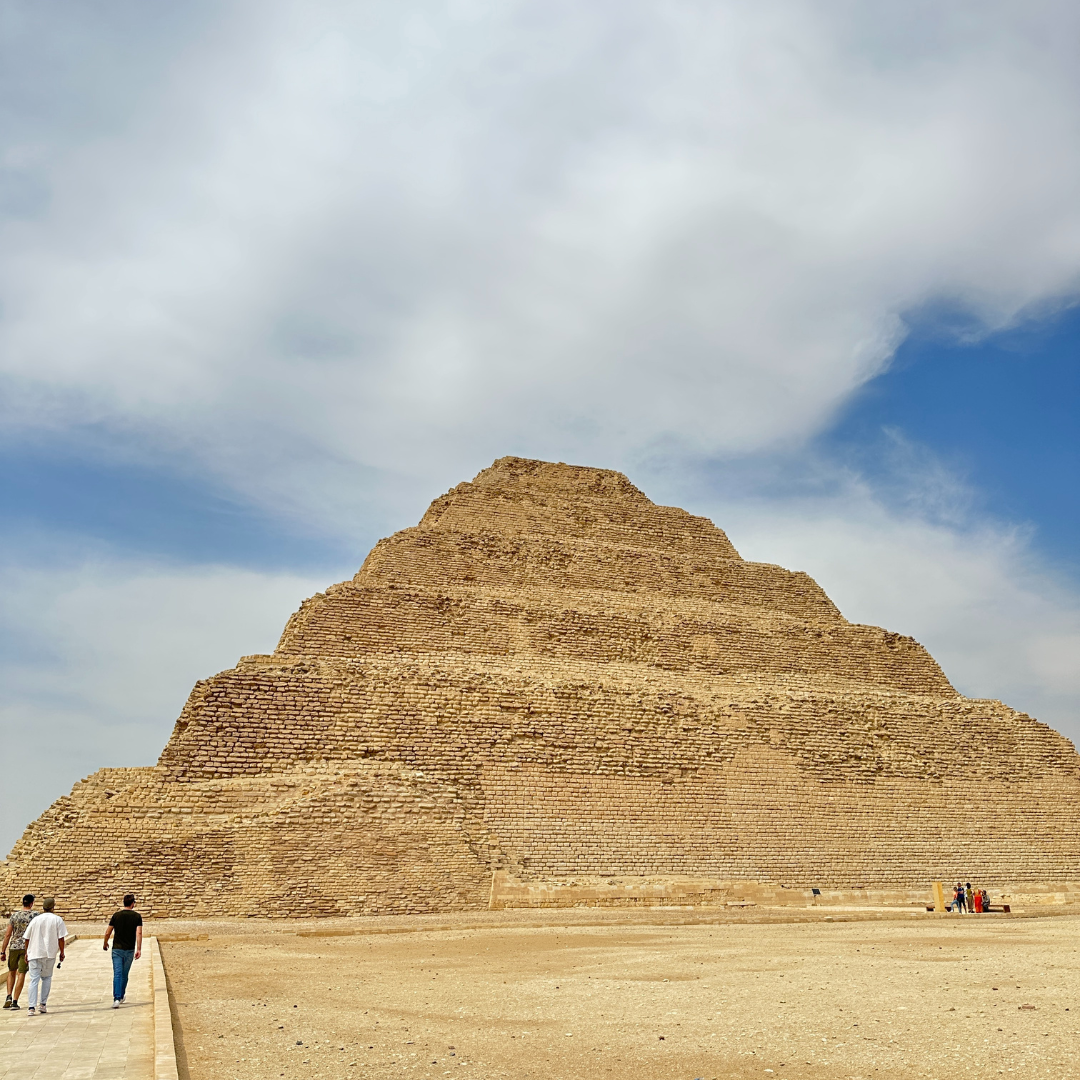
127 947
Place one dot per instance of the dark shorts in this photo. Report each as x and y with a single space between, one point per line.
16 960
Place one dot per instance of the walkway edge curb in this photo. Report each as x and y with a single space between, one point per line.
164 1049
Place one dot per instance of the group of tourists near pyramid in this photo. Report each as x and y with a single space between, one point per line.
553 679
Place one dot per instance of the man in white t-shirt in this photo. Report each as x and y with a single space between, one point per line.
44 941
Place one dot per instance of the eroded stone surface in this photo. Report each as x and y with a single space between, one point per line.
551 676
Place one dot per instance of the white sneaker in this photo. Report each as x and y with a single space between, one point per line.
43 1010
116 1003
31 1011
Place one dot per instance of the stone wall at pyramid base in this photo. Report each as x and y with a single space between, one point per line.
577 891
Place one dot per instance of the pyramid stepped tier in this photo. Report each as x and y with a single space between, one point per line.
552 678
359 621
440 560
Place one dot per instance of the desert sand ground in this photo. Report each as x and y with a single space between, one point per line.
647 997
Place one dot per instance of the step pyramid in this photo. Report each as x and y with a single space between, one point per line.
552 678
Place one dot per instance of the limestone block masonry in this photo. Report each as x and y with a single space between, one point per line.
552 678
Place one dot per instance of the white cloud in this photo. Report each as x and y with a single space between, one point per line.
98 661
411 237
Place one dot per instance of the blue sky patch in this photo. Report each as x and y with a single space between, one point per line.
999 414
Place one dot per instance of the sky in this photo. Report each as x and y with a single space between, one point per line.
273 276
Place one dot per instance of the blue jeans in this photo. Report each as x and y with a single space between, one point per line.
122 960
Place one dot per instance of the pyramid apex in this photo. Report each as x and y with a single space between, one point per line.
531 474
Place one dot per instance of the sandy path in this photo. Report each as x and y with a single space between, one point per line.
898 999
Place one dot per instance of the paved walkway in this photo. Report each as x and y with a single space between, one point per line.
82 1037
